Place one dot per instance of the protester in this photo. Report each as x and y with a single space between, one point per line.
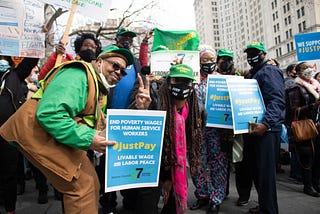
291 75
212 188
13 93
71 125
264 138
86 46
304 103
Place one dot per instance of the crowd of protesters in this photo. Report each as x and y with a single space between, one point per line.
68 128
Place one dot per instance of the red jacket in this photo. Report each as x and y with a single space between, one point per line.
51 62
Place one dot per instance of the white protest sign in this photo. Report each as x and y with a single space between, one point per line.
20 28
96 9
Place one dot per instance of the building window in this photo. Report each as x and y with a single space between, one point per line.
278 26
290 32
276 14
280 51
273 17
274 28
287 34
288 47
276 40
272 5
284 9
304 26
279 40
285 21
277 52
289 20
297 2
298 14
299 27
302 11
288 6
291 43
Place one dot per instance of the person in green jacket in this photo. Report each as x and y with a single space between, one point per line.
71 122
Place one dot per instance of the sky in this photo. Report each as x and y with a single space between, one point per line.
169 14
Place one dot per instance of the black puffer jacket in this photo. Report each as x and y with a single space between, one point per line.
15 91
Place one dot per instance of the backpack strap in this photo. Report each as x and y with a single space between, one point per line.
3 80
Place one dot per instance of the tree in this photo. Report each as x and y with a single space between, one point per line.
128 17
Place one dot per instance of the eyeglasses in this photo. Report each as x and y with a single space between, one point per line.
116 66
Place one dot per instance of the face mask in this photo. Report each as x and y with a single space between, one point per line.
104 80
126 44
87 55
34 78
4 65
180 91
255 61
307 73
225 66
208 68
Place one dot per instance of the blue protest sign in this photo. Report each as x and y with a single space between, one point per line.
134 161
218 104
246 103
307 46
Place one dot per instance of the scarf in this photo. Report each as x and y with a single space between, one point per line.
179 170
313 87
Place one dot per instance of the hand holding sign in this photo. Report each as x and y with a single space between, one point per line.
143 98
99 143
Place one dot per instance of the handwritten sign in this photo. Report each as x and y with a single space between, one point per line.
134 161
20 26
96 9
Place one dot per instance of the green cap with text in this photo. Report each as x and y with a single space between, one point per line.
108 52
181 70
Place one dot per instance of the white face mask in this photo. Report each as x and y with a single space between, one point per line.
307 73
104 80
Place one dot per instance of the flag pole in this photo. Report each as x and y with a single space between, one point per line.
65 36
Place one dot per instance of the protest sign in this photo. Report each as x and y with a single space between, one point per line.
161 61
20 26
308 48
134 161
218 104
96 9
246 103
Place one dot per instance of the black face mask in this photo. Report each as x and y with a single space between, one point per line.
180 91
208 68
126 44
225 66
255 61
87 55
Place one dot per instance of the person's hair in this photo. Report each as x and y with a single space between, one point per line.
316 75
79 40
193 130
299 66
290 68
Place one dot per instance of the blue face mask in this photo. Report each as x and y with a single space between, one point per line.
4 65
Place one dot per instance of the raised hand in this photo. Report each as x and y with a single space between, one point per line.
143 98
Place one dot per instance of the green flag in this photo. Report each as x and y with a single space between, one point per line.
176 40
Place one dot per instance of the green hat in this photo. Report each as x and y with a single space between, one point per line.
256 45
108 52
122 31
181 70
225 52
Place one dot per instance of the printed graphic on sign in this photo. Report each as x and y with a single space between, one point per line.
218 104
134 161
246 103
